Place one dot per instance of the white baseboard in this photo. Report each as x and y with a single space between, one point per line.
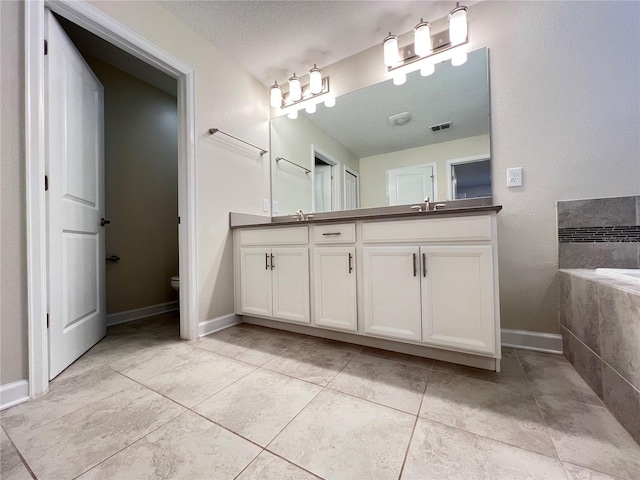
138 313
526 340
14 393
216 324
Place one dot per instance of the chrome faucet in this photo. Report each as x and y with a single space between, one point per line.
426 204
299 216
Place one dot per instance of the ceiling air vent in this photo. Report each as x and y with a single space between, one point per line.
400 118
441 126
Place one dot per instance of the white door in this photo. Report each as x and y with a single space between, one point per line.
290 270
255 282
350 190
334 288
410 184
322 188
75 202
457 297
391 285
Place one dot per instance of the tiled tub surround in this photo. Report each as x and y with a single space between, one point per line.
601 232
600 321
253 403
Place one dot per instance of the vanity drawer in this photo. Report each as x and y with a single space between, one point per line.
452 229
336 233
275 236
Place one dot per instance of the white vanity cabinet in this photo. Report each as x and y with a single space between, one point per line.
273 281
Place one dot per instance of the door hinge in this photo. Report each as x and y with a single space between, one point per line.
178 220
46 47
46 183
47 320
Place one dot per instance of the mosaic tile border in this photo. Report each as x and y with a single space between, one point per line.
613 234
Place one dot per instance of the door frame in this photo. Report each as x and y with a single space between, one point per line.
335 177
344 190
458 161
90 18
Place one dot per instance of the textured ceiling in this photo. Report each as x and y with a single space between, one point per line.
273 39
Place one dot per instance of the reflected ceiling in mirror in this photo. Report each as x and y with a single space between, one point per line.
388 144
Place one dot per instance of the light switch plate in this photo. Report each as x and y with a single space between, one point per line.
514 177
274 207
265 205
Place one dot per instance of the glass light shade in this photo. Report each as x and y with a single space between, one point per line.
295 89
330 101
311 108
458 59
315 80
427 69
391 55
422 38
276 95
293 114
399 78
458 25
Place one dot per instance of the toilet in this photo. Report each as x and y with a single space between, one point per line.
175 283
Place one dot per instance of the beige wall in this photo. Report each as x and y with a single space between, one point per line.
292 139
373 170
565 106
141 185
13 261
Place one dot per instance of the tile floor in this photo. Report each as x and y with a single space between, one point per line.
253 403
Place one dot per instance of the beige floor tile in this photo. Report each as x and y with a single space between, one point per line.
246 345
511 371
326 342
268 466
201 376
312 363
340 436
553 375
80 440
398 357
81 365
65 396
382 381
507 413
575 472
152 361
115 347
259 405
441 452
11 465
589 436
156 324
121 329
189 447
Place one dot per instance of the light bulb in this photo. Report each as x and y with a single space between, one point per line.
293 114
458 25
427 69
276 95
399 78
458 59
315 80
391 55
330 101
311 108
422 38
295 89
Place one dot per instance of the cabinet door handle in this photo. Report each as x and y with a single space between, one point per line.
415 269
272 262
350 266
331 233
266 261
424 265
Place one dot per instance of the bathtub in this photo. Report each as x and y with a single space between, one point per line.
621 273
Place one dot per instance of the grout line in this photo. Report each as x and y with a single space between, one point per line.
294 464
415 423
22 459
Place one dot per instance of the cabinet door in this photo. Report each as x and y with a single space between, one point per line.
391 286
457 297
255 282
334 290
291 284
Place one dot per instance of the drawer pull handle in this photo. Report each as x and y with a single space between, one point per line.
273 264
415 268
266 261
424 265
331 233
350 265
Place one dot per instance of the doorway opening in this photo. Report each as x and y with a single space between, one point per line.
325 195
469 177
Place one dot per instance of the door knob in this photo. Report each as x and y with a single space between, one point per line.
113 258
104 222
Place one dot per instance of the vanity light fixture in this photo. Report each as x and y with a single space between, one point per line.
330 101
295 88
315 80
310 108
276 95
302 96
428 49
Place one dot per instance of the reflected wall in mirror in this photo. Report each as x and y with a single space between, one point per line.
389 145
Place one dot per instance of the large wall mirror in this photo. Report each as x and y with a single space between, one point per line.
388 144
